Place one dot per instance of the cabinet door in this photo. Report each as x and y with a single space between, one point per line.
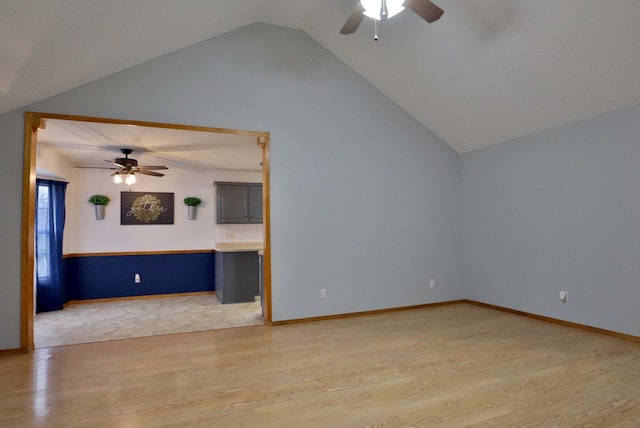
255 203
237 277
232 203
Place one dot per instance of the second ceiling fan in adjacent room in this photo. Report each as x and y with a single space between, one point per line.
127 167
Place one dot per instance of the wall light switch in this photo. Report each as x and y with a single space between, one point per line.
136 278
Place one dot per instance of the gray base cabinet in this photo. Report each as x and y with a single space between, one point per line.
237 276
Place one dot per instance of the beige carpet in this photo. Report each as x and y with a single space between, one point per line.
97 322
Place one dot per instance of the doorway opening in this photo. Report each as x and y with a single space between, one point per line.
36 122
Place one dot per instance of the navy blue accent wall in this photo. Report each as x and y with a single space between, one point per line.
96 277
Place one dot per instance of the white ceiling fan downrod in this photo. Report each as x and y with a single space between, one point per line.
378 9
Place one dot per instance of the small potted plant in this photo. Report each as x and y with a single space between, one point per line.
99 202
192 202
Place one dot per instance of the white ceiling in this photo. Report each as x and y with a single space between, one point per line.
486 72
91 144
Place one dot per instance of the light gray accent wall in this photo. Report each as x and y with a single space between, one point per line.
558 210
11 142
365 200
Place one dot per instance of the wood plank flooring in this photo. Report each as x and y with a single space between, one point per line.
448 366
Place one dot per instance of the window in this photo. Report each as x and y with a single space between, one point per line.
43 233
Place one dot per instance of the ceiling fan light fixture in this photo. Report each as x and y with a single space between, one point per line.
117 178
374 8
131 179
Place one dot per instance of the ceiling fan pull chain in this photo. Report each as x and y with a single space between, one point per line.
375 30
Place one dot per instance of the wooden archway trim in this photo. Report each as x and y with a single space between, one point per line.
33 121
263 142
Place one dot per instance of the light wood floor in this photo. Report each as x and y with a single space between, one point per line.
448 366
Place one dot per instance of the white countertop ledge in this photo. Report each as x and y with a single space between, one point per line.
238 246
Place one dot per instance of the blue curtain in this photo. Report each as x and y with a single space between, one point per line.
49 225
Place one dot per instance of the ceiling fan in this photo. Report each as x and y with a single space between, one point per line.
128 167
378 9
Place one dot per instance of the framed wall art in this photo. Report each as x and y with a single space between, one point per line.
146 208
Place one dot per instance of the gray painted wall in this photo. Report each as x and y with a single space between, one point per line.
11 141
365 200
558 210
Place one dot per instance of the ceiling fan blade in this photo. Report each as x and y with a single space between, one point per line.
93 167
354 20
115 164
425 9
152 167
155 174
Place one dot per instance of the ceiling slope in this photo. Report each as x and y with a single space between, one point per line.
488 71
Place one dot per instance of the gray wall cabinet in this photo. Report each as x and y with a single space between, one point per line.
238 202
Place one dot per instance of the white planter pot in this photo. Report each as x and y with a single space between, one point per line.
191 212
100 212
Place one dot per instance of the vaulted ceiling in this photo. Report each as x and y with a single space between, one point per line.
488 71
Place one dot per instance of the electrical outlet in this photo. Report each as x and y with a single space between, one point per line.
323 293
432 283
564 296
